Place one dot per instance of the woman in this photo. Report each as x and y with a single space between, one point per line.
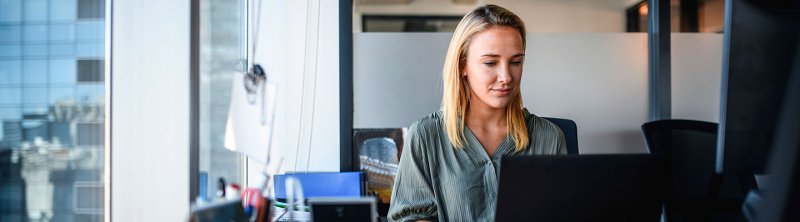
449 166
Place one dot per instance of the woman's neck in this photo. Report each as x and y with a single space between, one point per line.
485 117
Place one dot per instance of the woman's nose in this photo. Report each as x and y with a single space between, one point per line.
504 75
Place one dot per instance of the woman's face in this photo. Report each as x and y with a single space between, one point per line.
494 67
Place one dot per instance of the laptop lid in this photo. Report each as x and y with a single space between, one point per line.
619 187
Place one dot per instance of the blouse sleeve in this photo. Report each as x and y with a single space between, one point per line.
412 194
562 144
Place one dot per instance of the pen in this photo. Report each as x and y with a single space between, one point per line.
221 188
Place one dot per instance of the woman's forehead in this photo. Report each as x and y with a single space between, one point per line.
498 41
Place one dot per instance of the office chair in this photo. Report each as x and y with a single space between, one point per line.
570 130
695 191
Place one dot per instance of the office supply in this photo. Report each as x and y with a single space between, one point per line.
570 130
282 215
225 211
621 187
697 192
323 184
343 209
250 119
221 188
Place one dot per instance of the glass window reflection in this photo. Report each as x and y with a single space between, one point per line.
35 10
221 48
10 72
10 10
34 71
10 33
51 143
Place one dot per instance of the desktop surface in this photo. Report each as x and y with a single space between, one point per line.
619 187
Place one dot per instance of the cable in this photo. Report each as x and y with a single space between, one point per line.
257 24
314 94
302 89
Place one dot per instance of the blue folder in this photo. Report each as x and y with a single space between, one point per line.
334 184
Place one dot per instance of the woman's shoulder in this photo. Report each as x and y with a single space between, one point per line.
540 125
430 123
425 135
546 137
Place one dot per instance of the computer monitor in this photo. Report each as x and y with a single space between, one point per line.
619 187
760 41
343 209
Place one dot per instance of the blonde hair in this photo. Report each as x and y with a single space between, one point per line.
456 92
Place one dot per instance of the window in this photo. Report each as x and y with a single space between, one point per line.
83 196
90 70
222 53
386 23
686 16
90 134
51 145
91 9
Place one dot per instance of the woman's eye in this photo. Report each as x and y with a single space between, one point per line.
490 63
516 63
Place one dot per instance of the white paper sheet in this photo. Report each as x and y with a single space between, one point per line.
250 120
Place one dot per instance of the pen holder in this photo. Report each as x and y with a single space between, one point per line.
255 203
264 211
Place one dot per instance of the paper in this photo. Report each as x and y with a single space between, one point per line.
250 120
280 215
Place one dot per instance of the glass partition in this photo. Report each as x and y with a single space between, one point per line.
585 60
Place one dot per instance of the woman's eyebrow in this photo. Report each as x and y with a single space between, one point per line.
496 55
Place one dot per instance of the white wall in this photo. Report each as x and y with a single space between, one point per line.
539 15
283 51
696 76
598 80
396 77
149 110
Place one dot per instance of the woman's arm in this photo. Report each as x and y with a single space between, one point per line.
412 194
562 144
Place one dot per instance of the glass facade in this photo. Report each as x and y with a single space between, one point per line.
51 110
222 55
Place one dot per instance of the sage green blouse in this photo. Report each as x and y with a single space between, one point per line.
439 183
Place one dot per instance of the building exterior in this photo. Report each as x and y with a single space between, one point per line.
51 110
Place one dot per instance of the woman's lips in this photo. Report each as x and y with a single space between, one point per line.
502 92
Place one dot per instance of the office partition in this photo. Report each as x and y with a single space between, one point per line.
597 79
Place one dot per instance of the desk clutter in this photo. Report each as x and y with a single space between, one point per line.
317 197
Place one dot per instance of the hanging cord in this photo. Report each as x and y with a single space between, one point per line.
255 79
313 89
314 94
255 82
257 28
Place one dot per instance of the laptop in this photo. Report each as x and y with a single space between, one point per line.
611 187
